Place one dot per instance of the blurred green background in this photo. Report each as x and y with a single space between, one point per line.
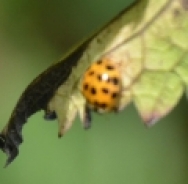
118 148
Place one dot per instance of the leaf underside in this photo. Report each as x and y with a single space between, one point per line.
164 77
156 57
150 37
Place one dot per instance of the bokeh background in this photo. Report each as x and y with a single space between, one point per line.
118 148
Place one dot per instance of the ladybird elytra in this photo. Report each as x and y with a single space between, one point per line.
101 86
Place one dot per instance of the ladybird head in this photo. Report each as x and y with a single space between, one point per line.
101 86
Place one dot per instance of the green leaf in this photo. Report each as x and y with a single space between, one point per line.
155 55
164 75
156 93
150 41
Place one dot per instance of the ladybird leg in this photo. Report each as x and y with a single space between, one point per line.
49 115
88 119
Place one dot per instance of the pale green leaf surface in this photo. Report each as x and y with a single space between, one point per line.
150 42
160 87
156 93
154 56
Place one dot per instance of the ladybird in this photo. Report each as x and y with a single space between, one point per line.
101 86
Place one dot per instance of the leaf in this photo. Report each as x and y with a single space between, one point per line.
150 41
155 57
156 93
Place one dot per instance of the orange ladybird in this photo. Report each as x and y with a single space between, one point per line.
101 86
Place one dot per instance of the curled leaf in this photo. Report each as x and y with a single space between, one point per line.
148 39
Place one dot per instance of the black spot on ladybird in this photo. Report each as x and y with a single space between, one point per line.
105 90
93 91
86 86
99 77
114 95
109 67
114 80
91 72
99 62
